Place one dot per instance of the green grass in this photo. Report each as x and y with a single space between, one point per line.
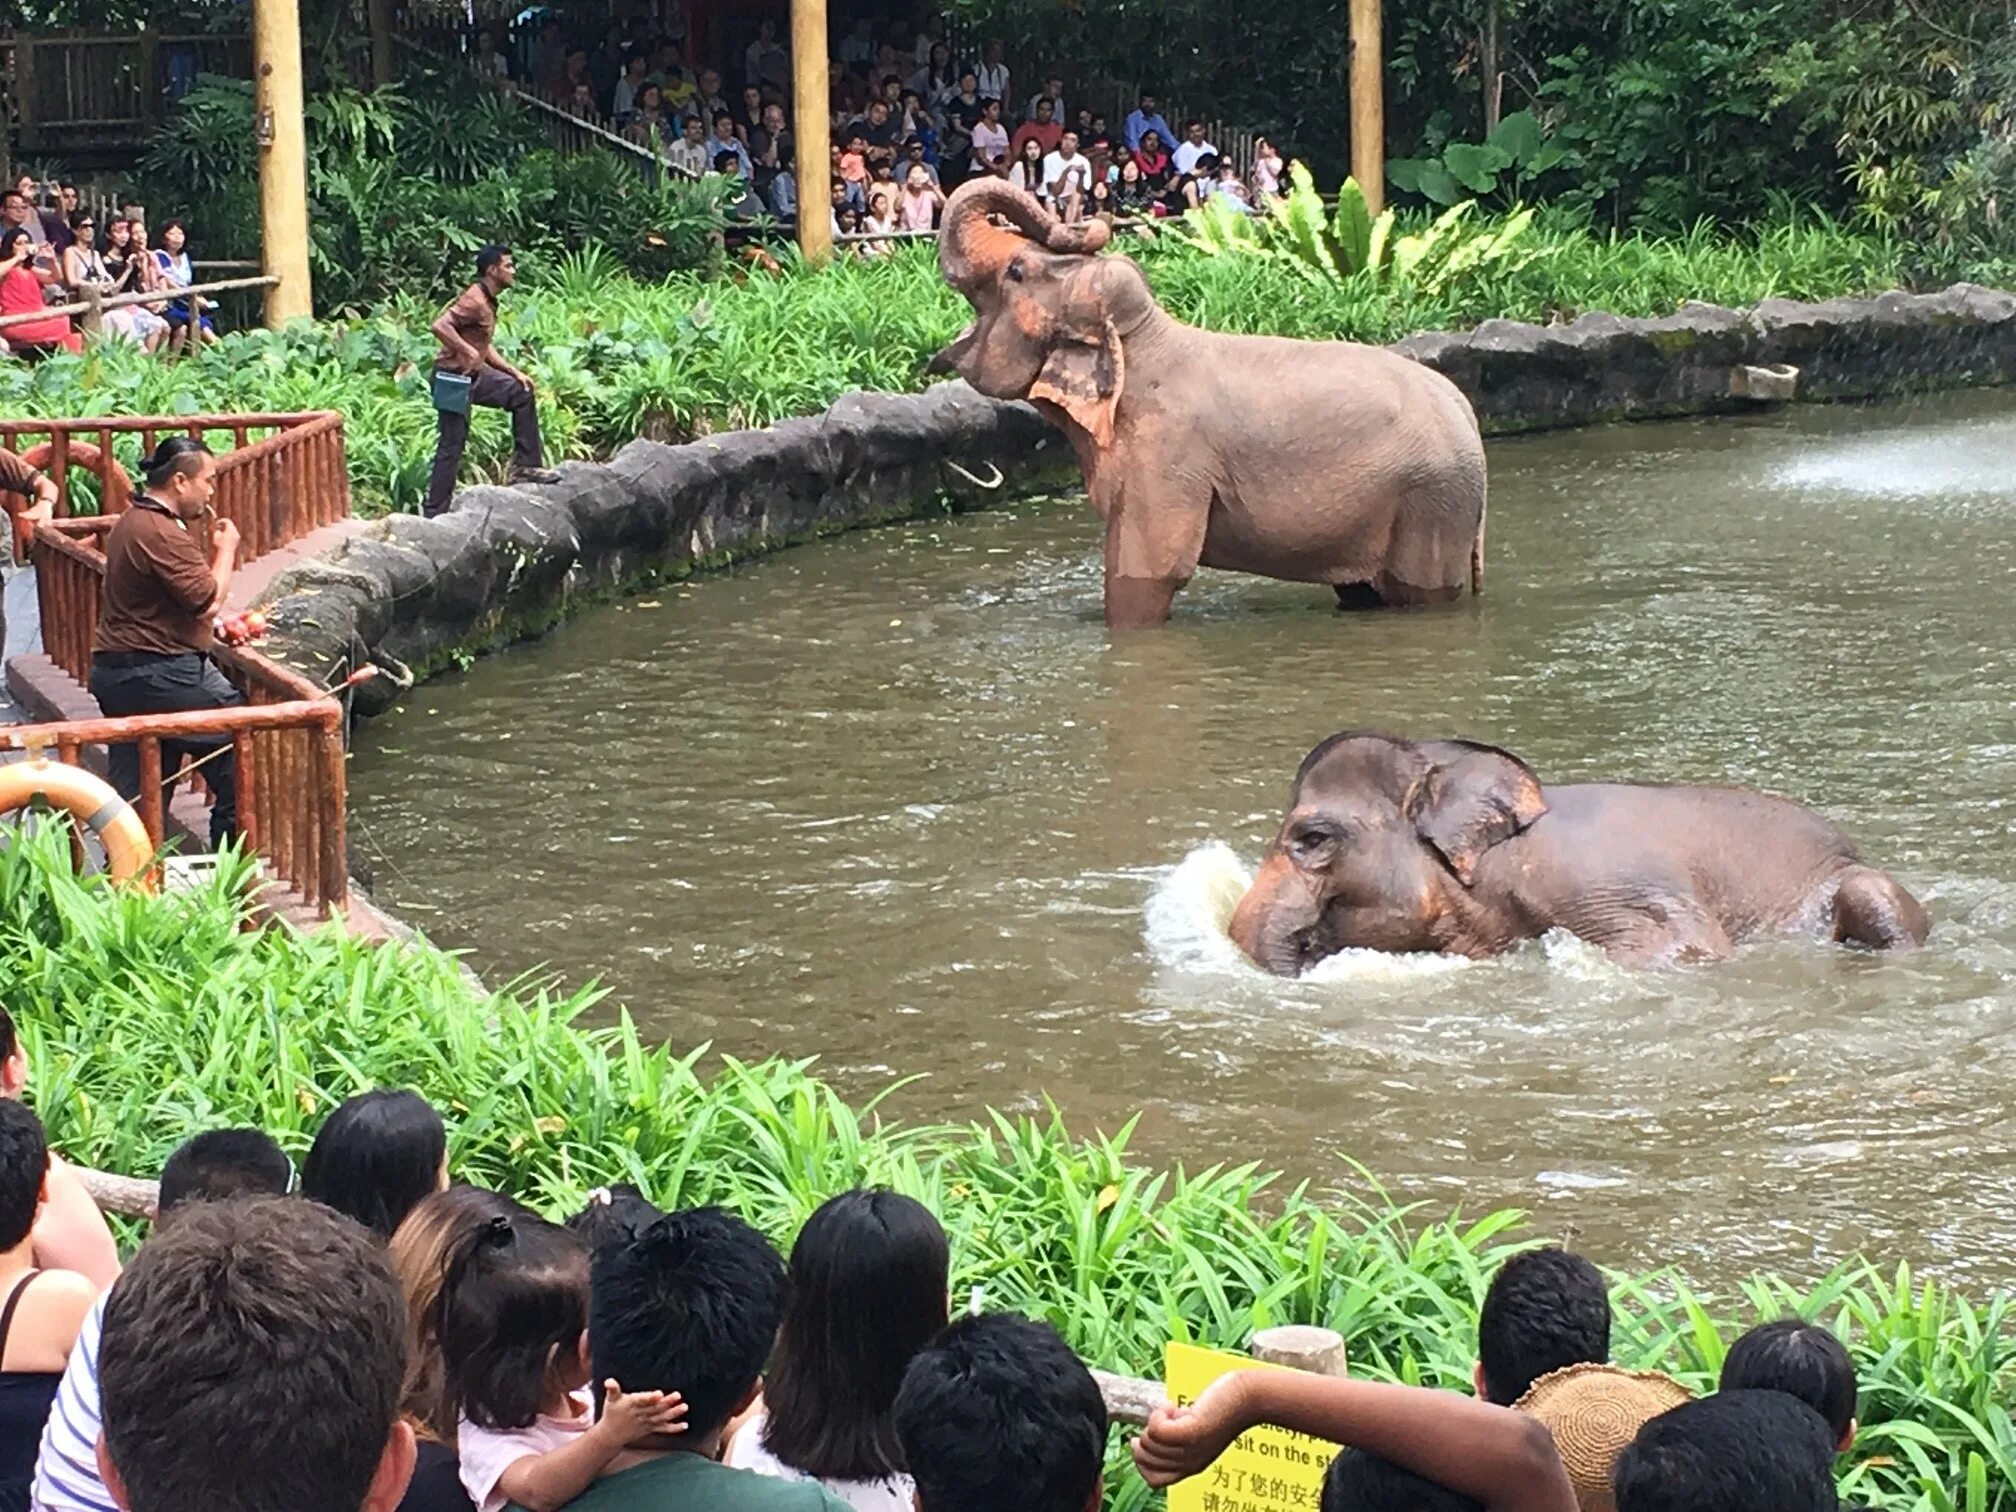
616 358
147 1019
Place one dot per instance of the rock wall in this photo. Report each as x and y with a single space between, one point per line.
507 563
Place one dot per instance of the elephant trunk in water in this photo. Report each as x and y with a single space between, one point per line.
972 250
1276 918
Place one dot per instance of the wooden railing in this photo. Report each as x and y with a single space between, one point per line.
70 83
284 476
286 742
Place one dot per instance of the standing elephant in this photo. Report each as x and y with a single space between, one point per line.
1444 845
1311 461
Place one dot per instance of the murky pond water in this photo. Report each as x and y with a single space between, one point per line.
898 800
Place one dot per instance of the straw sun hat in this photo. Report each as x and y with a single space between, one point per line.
1594 1412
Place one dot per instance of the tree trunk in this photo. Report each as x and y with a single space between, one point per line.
1489 56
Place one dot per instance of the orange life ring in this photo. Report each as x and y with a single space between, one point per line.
95 805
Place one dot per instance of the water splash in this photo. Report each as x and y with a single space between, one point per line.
1191 909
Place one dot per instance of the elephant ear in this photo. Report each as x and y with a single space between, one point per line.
1083 377
1470 798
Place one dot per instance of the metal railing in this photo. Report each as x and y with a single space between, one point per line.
283 477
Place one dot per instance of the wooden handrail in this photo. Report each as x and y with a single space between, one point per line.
248 718
127 424
124 301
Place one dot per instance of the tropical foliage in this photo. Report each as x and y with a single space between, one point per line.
616 358
549 1092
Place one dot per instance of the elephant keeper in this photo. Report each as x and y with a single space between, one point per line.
39 489
156 623
468 371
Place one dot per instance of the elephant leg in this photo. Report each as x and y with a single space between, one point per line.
1872 908
1154 537
1358 596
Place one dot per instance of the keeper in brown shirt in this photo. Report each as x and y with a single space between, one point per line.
468 372
156 622
39 489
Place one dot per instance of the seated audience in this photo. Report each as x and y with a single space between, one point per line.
914 158
691 1305
725 140
1131 195
1801 1360
784 195
920 200
689 154
188 317
85 267
438 1225
375 1157
512 1315
998 1413
21 293
992 152
488 57
1736 1451
852 163
1270 173
251 1361
1026 172
1067 178
1141 120
1053 91
1226 185
934 81
878 222
1154 161
623 103
212 1167
1501 1460
70 1233
867 1292
1193 147
743 203
43 1310
1043 128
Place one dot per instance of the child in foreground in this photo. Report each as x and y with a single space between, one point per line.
512 1319
1802 1361
1502 1460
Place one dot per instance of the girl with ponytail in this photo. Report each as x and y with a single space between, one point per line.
511 1318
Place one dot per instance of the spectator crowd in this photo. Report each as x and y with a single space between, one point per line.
53 251
908 123
374 1337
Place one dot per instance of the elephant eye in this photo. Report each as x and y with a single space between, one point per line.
1015 273
1308 842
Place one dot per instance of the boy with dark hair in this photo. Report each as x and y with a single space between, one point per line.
1736 1451
690 1304
251 1361
997 1412
1361 1482
1802 1361
211 1167
1546 1309
1503 1461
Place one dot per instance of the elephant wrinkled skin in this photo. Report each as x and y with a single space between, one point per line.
1446 845
1310 461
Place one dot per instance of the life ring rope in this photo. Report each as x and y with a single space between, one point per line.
92 801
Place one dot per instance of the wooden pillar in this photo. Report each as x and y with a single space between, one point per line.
1368 103
283 158
1319 1351
811 129
381 43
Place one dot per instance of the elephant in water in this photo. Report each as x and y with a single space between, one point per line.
1444 845
1310 461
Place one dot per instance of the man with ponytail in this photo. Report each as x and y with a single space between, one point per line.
156 622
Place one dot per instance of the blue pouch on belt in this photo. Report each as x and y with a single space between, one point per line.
451 392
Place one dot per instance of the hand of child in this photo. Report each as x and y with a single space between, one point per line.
641 1414
1180 1442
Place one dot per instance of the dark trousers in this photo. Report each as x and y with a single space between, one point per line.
498 391
126 684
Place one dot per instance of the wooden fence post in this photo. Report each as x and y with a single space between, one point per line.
283 158
1320 1351
94 309
1368 104
811 127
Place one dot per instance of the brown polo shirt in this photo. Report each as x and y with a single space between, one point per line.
17 476
159 595
474 317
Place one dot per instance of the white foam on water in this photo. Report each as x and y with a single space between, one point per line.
1190 910
1944 463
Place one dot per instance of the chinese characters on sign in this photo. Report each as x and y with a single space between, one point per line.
1266 1470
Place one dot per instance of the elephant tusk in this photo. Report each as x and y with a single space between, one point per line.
999 478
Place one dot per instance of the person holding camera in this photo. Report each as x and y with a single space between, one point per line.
468 372
157 623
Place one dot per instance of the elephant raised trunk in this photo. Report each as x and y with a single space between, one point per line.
972 250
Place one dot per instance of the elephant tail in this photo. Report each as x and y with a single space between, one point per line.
1477 559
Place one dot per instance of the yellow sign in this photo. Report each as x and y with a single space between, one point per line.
1266 1469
